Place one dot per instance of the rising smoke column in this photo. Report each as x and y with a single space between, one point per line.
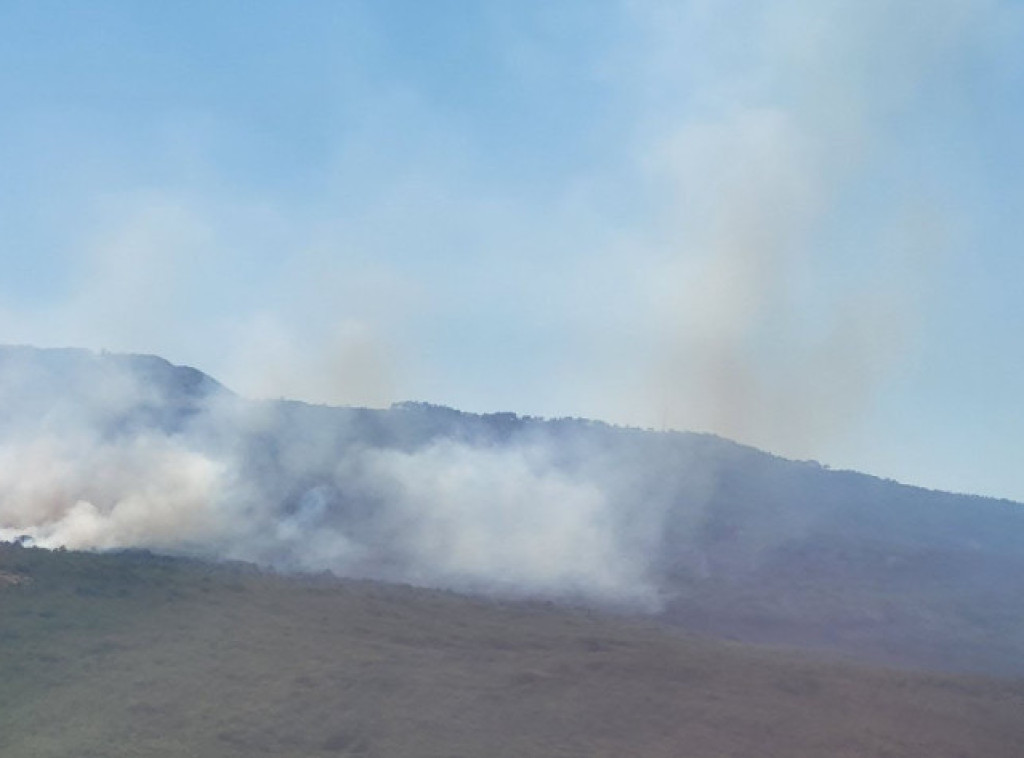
799 249
118 452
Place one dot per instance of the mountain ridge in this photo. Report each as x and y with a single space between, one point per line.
194 382
693 528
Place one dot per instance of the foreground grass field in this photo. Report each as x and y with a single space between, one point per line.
104 656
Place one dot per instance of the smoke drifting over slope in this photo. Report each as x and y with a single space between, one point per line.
131 452
82 493
120 461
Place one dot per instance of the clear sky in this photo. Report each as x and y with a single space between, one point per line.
794 223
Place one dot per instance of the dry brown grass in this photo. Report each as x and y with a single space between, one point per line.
106 660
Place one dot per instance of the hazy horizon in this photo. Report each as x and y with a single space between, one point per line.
790 224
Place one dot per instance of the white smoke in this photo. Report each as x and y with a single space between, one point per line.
780 120
79 492
506 518
82 466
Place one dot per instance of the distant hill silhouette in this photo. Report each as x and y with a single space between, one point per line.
59 385
735 542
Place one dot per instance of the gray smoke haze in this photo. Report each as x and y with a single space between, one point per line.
112 452
120 451
797 122
782 157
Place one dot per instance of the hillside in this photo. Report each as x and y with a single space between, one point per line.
128 451
132 654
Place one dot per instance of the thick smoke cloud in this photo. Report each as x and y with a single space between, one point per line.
773 138
77 492
96 454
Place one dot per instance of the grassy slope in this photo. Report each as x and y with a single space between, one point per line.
107 656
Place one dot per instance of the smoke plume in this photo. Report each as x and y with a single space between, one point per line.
121 451
799 241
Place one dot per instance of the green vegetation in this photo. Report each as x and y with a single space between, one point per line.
131 654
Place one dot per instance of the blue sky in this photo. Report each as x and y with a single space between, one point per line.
793 223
